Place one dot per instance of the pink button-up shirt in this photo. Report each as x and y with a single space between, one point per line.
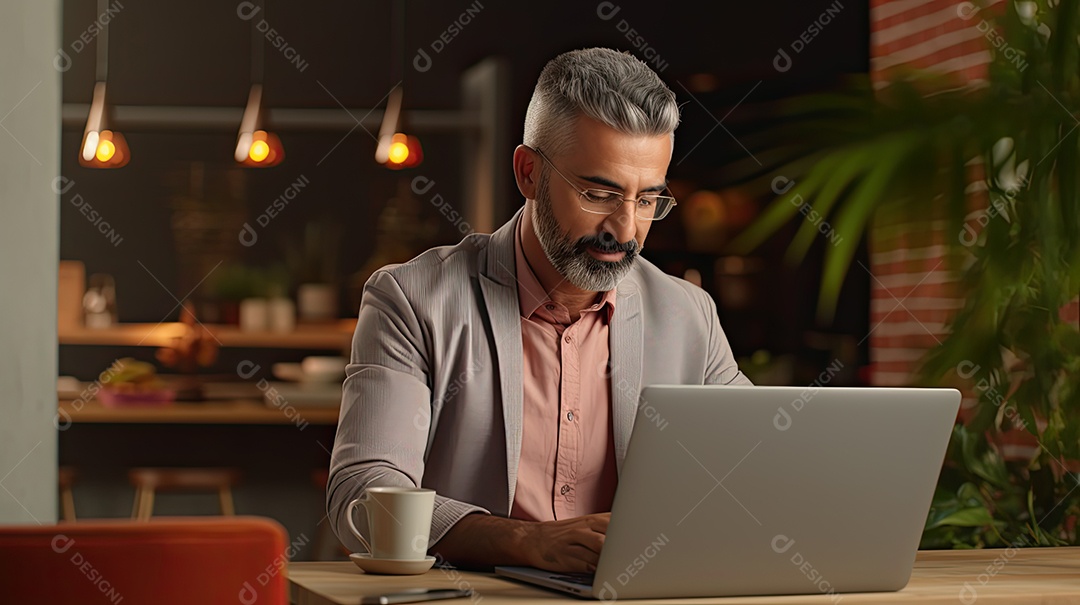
567 467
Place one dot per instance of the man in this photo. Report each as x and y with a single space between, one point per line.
505 372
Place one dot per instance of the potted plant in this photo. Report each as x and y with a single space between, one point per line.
903 152
231 284
312 261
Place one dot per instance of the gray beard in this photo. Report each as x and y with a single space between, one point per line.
570 258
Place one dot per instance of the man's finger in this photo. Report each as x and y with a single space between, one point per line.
599 523
583 557
591 540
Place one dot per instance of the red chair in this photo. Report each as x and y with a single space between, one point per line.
166 561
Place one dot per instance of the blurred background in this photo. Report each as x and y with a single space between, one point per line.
269 262
175 210
232 172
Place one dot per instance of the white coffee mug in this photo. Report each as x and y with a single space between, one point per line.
399 521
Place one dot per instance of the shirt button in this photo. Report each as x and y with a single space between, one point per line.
550 307
565 489
570 416
567 339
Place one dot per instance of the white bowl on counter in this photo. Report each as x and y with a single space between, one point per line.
312 369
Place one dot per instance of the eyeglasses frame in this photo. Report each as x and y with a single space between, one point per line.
617 195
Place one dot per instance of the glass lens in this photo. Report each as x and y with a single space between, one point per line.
654 207
649 207
602 199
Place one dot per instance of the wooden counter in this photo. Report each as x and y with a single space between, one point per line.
1027 575
243 411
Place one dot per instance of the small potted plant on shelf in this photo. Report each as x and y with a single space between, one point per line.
230 285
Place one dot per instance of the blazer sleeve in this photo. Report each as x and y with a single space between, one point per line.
721 367
384 423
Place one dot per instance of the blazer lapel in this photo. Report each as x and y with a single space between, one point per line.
499 286
625 340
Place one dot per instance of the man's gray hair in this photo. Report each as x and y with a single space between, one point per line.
613 88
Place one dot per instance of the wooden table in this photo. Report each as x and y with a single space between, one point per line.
242 411
1028 575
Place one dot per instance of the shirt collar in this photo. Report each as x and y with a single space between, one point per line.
531 295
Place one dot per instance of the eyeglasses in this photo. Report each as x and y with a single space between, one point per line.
649 207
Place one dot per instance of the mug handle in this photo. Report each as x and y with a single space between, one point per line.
349 517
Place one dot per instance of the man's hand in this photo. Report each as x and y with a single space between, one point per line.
570 545
483 541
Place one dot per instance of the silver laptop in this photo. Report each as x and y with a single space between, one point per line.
769 491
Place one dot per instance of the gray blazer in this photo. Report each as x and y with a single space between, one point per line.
433 393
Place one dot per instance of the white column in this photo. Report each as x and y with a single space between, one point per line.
29 225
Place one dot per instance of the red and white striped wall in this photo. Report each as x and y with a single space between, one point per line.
913 294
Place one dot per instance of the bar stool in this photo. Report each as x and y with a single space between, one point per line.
66 478
148 481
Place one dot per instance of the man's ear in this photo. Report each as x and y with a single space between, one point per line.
526 171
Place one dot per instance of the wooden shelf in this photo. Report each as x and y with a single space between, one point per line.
336 335
244 411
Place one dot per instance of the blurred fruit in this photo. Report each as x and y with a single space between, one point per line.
129 370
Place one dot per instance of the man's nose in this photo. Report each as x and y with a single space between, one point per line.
623 222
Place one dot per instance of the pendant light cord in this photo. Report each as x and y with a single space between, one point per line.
102 67
257 48
397 64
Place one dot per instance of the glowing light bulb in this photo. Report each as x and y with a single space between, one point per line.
259 151
399 152
105 150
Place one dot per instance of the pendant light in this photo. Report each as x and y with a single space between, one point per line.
395 149
101 146
255 146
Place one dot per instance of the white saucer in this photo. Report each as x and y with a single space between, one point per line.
395 567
